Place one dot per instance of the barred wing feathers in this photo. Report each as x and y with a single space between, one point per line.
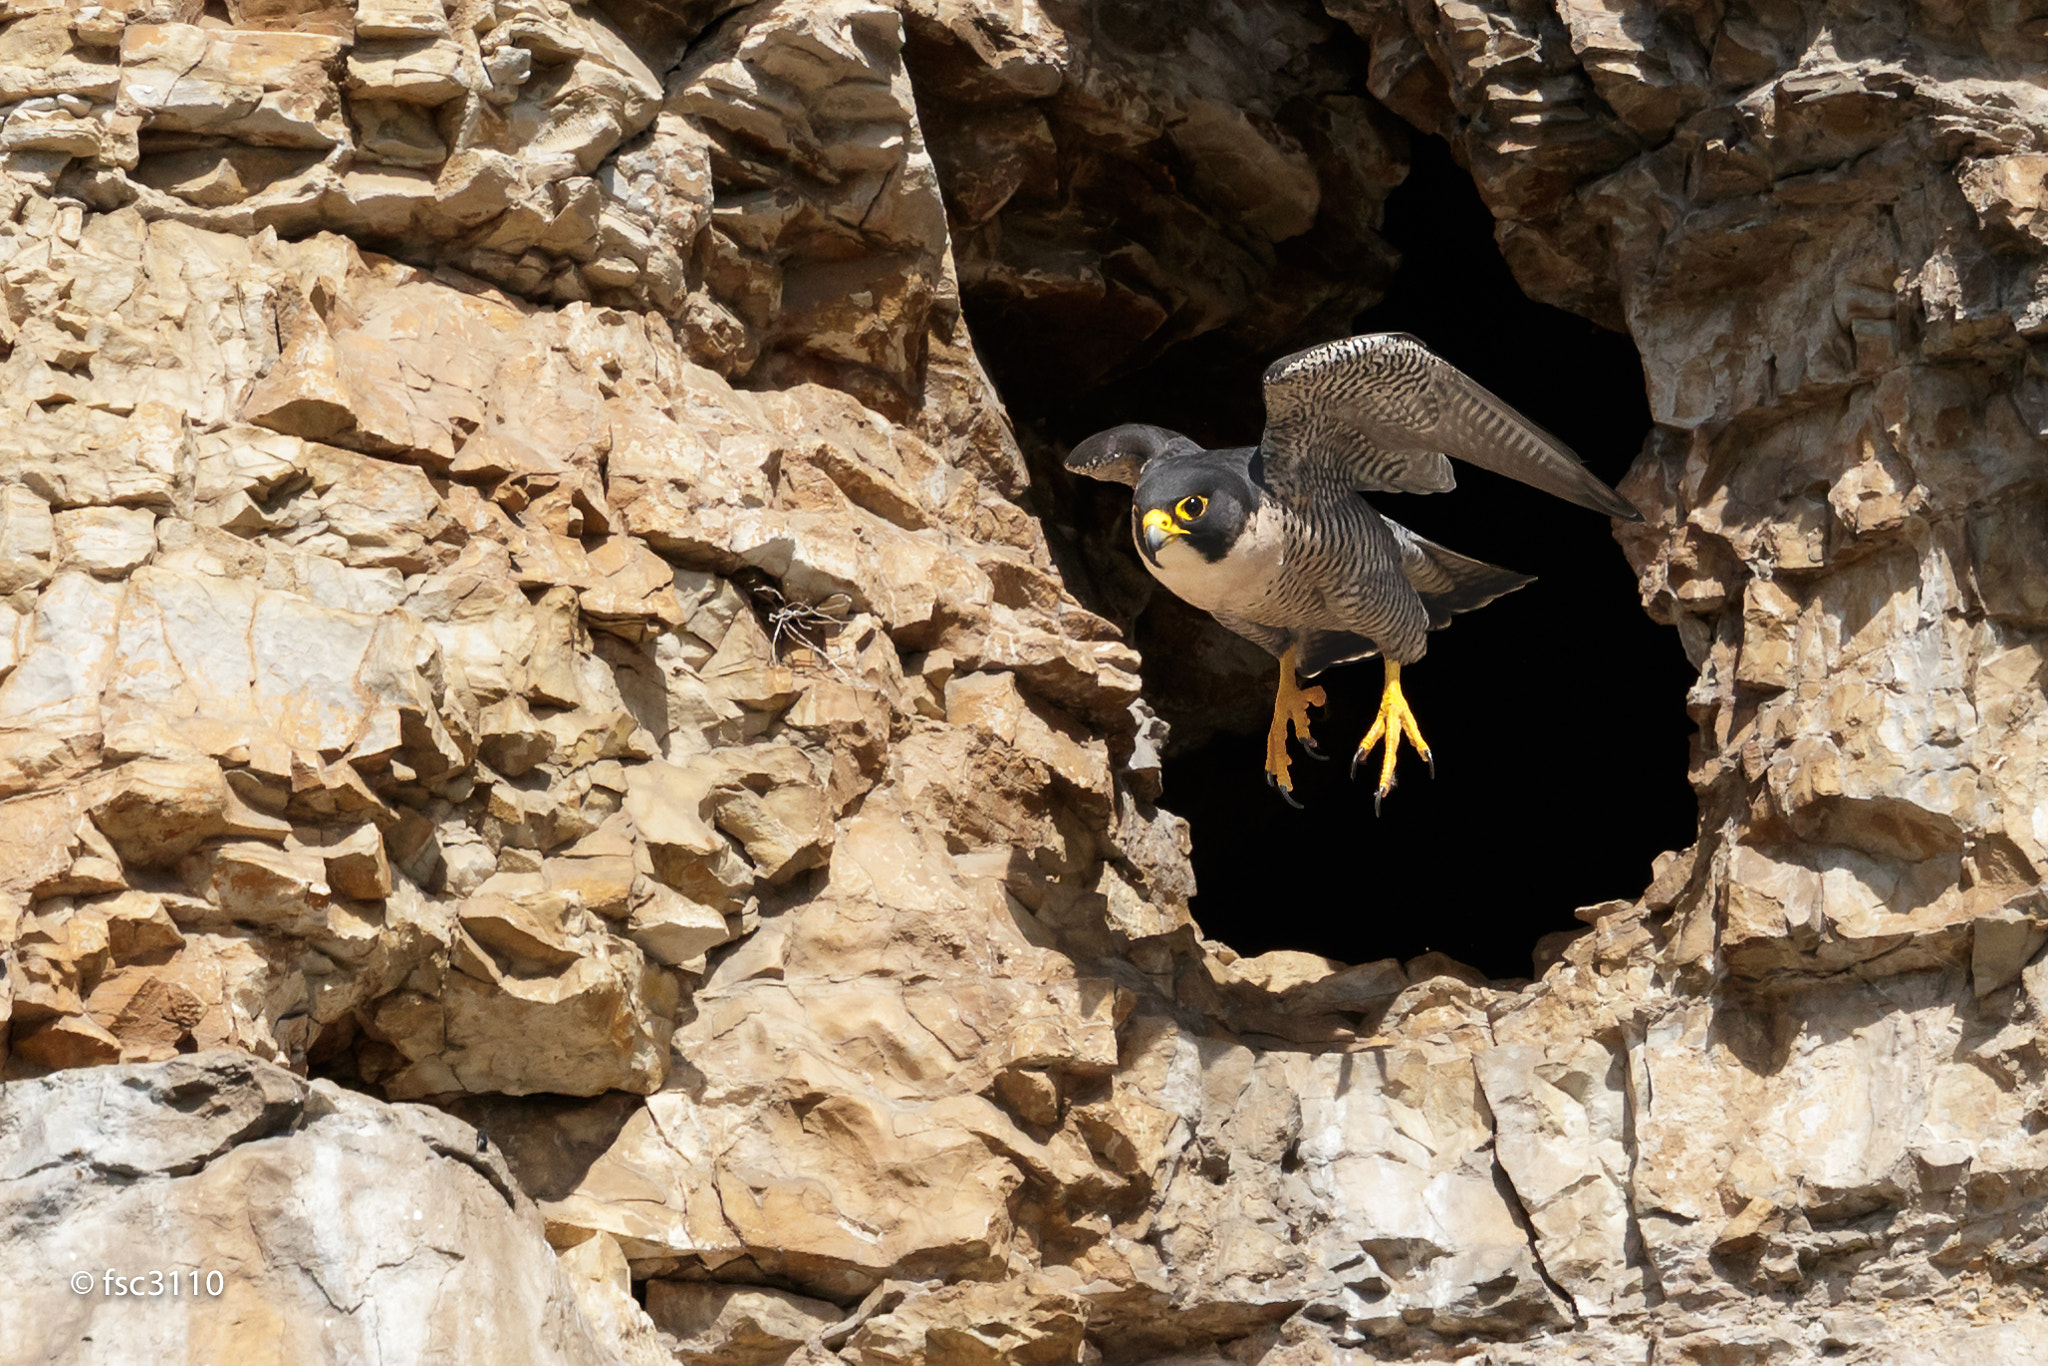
1381 412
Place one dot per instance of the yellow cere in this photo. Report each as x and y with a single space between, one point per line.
1157 520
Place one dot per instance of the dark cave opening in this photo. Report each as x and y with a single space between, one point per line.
1556 713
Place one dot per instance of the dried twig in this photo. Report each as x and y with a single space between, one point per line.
788 621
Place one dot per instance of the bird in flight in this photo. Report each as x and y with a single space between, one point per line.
1275 543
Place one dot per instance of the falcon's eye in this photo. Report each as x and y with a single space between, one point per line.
1191 508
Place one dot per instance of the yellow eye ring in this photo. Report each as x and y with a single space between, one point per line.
1191 508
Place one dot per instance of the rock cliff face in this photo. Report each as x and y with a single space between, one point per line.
517 593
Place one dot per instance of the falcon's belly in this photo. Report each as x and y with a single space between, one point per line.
1250 581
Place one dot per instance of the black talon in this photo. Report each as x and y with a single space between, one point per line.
1289 796
1376 801
1356 756
1308 747
1430 759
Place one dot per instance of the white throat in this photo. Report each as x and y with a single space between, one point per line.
1234 583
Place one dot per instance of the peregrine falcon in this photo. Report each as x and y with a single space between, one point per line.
1275 543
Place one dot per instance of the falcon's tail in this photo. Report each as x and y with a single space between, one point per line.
1450 583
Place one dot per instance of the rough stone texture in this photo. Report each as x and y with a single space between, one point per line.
257 1217
514 594
1168 173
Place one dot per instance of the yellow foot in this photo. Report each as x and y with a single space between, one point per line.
1394 721
1290 704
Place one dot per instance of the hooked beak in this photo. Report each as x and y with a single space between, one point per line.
1159 529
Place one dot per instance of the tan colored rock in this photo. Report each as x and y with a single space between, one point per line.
1032 1319
382 204
281 890
106 542
194 1135
151 1016
41 59
266 88
74 1041
146 460
41 125
771 799
602 883
27 539
237 468
10 640
1563 1136
992 703
1264 176
514 914
218 177
401 19
510 740
406 70
675 930
604 641
734 1324
52 696
356 864
540 1000
396 134
139 928
86 864
606 92
667 804
472 186
603 1285
155 813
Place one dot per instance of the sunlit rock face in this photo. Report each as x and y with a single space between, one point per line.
516 593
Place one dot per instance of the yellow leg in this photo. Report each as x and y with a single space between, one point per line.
1395 720
1290 704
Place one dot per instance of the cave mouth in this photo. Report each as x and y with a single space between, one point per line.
1556 714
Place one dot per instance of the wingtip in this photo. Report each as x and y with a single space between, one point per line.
1107 456
1089 455
1119 454
1609 502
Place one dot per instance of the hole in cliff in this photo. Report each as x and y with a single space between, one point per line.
1556 714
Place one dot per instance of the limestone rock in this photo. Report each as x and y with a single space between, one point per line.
266 88
1276 171
604 1291
374 1206
518 591
716 1323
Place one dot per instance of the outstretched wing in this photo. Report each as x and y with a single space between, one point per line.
1381 412
1120 453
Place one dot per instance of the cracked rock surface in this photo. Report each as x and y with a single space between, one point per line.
257 1216
520 603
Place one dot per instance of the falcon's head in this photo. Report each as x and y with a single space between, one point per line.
1195 504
